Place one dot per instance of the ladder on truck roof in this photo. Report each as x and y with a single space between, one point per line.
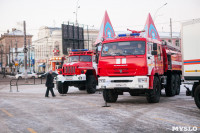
171 46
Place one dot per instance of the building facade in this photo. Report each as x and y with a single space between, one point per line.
90 35
48 47
175 40
10 43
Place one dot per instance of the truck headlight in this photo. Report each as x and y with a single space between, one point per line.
142 80
102 80
83 71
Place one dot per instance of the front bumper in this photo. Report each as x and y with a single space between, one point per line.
123 82
81 77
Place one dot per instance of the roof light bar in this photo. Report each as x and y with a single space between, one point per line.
77 50
131 34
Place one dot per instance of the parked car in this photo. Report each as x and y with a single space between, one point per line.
29 75
45 74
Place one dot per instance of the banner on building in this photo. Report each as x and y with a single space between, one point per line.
72 38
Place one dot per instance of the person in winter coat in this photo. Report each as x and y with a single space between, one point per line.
49 84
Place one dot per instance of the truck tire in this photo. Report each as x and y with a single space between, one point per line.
62 87
153 96
91 84
177 84
170 90
81 88
194 87
110 96
134 94
197 96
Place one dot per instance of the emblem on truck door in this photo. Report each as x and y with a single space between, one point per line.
120 70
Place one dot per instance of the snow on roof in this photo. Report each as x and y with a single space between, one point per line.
17 33
168 35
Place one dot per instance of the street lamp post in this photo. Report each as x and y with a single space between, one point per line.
76 12
25 52
154 18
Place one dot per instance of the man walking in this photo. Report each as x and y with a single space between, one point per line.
49 84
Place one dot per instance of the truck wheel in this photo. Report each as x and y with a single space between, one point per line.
133 93
197 96
154 95
62 87
170 90
110 96
194 87
81 88
91 84
177 84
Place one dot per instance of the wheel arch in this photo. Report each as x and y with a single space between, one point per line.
91 72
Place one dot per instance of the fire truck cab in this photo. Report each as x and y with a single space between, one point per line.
138 65
79 71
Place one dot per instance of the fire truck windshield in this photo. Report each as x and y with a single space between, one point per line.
83 58
124 48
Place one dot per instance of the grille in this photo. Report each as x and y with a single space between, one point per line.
70 70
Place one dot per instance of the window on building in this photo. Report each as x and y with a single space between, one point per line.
169 41
177 43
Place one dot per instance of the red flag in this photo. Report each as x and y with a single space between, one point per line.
150 29
106 30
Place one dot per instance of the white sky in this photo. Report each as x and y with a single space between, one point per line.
123 14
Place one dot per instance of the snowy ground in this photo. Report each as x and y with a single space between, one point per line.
29 111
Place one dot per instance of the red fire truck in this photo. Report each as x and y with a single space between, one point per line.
139 65
79 71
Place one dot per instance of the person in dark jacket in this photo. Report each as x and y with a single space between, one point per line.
49 84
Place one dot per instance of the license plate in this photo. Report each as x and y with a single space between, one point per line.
120 85
68 78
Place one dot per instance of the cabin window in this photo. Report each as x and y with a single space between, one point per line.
159 53
123 48
149 48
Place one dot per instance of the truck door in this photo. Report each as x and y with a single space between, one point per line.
94 63
150 57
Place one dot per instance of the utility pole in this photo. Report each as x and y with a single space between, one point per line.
9 57
76 12
47 55
12 51
171 29
16 54
25 52
12 57
29 55
1 58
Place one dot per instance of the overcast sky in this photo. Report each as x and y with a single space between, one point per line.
123 14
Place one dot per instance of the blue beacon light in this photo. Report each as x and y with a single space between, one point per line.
76 50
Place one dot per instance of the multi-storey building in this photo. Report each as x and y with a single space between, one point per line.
48 47
10 45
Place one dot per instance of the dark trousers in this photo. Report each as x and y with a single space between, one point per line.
47 92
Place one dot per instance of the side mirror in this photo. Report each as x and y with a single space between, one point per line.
97 58
154 52
154 46
99 48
